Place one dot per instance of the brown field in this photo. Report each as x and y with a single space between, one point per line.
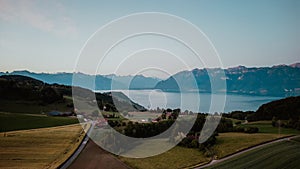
39 148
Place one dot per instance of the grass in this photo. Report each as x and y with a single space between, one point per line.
177 157
139 116
32 107
235 120
39 148
266 127
230 143
278 155
227 144
15 121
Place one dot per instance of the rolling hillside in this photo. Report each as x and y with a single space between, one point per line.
23 94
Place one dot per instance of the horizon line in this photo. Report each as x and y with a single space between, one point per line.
229 67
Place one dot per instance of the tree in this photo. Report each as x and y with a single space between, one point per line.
164 115
50 95
274 121
251 129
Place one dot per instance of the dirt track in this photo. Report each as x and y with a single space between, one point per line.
93 157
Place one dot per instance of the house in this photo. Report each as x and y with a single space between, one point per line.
101 122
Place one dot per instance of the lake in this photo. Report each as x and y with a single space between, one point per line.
196 102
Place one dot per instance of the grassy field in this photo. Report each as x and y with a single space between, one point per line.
278 155
139 116
39 148
266 127
229 143
235 120
32 107
177 157
15 121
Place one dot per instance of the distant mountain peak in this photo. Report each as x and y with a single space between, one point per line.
280 65
21 71
239 67
295 65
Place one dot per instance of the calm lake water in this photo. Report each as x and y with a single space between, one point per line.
196 102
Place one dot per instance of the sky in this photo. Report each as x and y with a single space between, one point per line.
49 36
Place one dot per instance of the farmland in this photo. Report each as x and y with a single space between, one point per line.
266 127
181 157
33 107
278 155
177 157
15 121
227 143
39 148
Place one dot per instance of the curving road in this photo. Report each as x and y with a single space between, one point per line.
90 156
70 160
93 157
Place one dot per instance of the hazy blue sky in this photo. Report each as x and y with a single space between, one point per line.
46 36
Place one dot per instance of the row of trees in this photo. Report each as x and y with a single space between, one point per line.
291 123
245 129
28 89
283 109
143 130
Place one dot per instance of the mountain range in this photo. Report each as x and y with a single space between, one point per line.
279 80
102 82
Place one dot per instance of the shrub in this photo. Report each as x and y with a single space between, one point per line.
238 122
194 143
251 129
238 129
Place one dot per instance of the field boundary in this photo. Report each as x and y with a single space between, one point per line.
240 152
260 144
27 130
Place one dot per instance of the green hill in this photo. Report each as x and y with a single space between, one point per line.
283 109
21 94
283 112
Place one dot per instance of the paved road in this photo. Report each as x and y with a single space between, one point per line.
93 157
244 151
90 156
70 160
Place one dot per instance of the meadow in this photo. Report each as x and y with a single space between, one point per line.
278 155
227 144
177 157
33 107
181 157
230 143
16 121
39 148
266 127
